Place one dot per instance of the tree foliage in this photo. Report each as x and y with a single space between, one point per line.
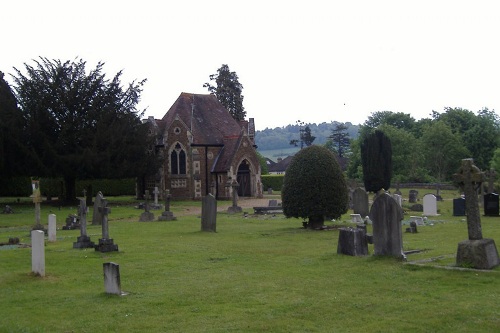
81 125
228 90
376 160
314 187
340 140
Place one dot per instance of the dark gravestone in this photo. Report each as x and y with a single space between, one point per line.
413 196
475 252
491 204
413 228
146 216
417 208
97 215
459 207
208 213
360 202
352 241
83 241
106 244
234 208
167 215
386 215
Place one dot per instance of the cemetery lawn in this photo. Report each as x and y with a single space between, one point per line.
255 274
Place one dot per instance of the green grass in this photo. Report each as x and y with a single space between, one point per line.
256 274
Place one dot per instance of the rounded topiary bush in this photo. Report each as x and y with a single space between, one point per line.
314 187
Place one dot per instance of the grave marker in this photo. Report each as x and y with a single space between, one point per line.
430 205
167 215
209 213
360 202
83 241
112 283
38 252
459 207
234 208
146 216
491 204
97 215
105 243
52 228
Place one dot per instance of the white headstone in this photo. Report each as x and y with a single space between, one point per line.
430 205
112 278
38 252
417 219
52 227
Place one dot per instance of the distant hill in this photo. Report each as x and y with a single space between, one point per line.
275 142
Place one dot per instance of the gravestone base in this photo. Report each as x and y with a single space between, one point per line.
352 242
167 216
480 254
83 242
155 206
106 245
147 217
234 210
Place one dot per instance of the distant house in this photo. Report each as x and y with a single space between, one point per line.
280 166
205 149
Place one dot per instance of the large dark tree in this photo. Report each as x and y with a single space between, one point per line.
376 160
13 152
314 187
81 125
228 90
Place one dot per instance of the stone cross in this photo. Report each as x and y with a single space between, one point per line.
156 192
146 203
469 177
235 186
491 174
104 210
82 212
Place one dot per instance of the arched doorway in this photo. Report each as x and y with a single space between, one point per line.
243 178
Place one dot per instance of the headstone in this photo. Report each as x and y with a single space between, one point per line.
360 202
398 191
387 235
52 228
475 252
430 205
105 243
413 228
234 208
146 216
38 252
112 283
269 190
167 215
459 207
417 219
491 204
356 218
413 196
209 213
72 222
399 199
273 203
97 215
8 210
156 205
83 241
417 208
352 241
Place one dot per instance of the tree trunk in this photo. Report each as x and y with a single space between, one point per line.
316 222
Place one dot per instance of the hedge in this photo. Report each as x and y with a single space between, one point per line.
272 181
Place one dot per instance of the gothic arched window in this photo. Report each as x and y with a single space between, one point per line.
178 160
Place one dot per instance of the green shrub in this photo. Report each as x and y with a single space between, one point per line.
272 181
314 187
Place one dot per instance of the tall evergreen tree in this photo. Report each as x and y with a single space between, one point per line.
228 90
376 159
81 125
340 140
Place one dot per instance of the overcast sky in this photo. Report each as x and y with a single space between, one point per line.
314 61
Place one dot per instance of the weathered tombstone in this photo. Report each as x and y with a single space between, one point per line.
209 213
269 190
52 228
83 241
387 235
38 252
491 204
475 252
399 199
413 228
97 215
7 210
352 241
430 205
413 196
37 199
459 207
360 202
234 208
155 205
112 283
356 218
417 219
105 243
146 216
417 208
398 191
273 203
167 215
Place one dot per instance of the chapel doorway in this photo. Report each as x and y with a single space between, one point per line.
243 179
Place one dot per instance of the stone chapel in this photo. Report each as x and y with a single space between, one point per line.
205 149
